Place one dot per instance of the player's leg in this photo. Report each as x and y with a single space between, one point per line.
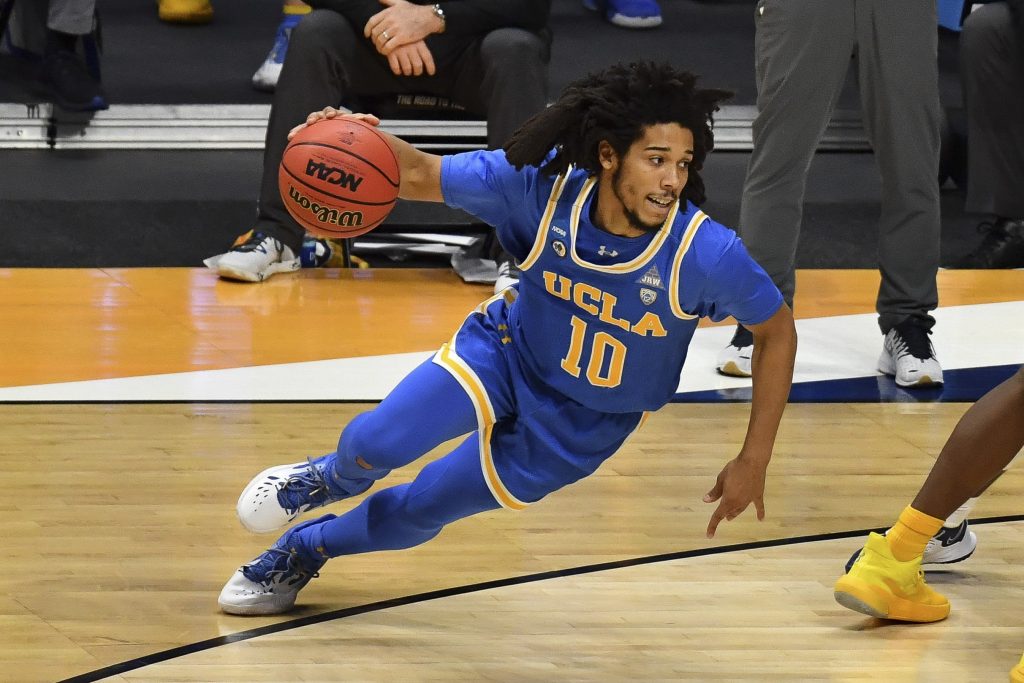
426 409
898 78
802 54
985 440
402 516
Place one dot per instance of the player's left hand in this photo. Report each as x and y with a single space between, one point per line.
740 483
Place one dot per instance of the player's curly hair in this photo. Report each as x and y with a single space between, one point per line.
616 104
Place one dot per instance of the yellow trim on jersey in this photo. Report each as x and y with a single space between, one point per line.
628 266
448 358
677 264
542 228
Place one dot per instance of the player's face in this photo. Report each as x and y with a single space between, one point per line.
637 190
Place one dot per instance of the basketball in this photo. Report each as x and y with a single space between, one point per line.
338 178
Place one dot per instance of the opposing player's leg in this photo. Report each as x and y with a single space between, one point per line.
426 409
402 516
886 580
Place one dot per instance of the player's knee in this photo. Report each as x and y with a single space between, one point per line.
370 443
320 31
512 47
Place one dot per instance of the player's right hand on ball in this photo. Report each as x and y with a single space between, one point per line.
330 113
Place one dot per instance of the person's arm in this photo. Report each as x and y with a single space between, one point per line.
741 481
419 172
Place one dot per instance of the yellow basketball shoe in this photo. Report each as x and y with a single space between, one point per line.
186 11
881 586
1017 673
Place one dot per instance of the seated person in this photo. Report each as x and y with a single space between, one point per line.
488 55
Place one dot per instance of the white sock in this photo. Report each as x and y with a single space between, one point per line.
960 514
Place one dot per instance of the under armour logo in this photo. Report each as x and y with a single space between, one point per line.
605 252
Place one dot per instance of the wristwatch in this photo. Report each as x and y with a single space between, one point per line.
439 13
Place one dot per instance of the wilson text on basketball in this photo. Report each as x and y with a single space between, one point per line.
326 214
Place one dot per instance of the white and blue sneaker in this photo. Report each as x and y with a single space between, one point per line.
628 13
277 495
270 583
950 545
266 76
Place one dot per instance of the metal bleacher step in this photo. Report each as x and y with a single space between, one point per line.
243 126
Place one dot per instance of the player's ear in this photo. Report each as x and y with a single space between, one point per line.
606 155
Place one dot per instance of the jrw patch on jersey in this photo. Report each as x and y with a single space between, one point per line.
652 278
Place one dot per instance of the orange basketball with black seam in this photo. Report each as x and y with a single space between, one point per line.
339 178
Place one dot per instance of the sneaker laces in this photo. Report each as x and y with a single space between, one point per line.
257 241
301 488
275 566
912 339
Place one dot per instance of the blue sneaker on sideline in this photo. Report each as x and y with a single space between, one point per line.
628 13
266 76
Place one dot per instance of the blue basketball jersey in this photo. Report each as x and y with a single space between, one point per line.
602 319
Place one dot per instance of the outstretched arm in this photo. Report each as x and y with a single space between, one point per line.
741 481
420 172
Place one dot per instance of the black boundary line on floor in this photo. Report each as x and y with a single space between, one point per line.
211 643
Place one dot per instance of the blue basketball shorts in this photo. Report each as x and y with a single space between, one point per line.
533 440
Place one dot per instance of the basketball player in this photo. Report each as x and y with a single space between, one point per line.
886 580
597 198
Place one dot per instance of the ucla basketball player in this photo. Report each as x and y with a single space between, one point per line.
597 198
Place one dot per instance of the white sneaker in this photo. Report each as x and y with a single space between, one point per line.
908 355
270 583
254 258
734 360
266 76
508 272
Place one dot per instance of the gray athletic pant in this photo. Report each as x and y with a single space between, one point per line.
502 75
803 51
30 20
992 70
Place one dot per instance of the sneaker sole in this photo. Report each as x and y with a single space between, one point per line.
249 276
731 369
254 610
187 17
862 597
634 22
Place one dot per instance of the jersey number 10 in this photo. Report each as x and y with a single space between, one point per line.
602 345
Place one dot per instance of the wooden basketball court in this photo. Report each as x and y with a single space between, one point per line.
118 527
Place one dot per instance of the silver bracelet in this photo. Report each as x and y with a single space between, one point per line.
439 13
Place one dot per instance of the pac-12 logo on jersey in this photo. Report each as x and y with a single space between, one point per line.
652 278
648 296
559 247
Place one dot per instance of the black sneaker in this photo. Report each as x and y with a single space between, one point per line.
69 84
1002 246
734 360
